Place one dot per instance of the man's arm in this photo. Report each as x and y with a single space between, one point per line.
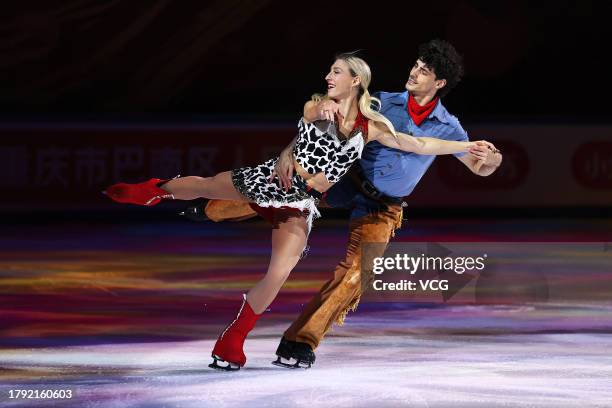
483 160
284 167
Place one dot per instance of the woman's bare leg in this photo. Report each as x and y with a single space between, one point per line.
288 239
288 242
192 187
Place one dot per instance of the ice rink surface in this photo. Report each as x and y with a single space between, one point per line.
127 315
402 365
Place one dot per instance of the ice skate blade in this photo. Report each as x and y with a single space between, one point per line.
229 367
298 364
195 213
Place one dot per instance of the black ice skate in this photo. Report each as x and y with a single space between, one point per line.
293 354
196 212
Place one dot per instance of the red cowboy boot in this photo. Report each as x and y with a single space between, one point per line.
228 347
146 193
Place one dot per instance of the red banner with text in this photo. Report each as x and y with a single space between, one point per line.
55 166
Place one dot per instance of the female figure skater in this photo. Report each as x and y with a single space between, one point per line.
323 152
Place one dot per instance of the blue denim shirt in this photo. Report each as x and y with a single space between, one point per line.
393 171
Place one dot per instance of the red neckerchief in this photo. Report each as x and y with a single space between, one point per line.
417 112
361 122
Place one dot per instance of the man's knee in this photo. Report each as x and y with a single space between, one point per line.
352 278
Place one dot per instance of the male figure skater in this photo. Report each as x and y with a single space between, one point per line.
373 190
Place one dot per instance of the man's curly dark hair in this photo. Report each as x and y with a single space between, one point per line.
445 61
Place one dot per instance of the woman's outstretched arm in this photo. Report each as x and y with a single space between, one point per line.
420 145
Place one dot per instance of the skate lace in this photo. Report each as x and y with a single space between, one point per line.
237 316
167 196
161 197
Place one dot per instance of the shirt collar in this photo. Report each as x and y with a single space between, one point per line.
439 111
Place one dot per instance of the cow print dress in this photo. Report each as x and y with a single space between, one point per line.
317 149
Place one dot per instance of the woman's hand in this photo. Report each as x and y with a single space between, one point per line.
469 146
486 153
328 110
283 169
322 110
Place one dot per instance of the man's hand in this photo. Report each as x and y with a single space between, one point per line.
486 153
283 169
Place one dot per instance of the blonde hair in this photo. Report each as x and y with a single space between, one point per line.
358 67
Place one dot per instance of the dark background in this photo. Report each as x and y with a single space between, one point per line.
87 78
251 60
